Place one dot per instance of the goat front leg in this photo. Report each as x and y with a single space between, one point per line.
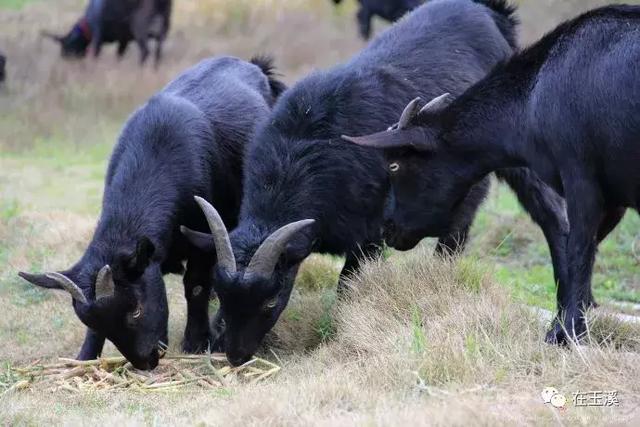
92 346
197 290
585 212
453 244
548 210
354 260
455 241
217 332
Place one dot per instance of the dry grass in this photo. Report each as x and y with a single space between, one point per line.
418 337
419 342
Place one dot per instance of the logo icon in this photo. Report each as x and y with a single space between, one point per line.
552 396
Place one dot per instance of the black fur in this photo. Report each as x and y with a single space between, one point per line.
566 108
186 140
298 167
109 21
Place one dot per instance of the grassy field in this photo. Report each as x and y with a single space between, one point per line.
422 342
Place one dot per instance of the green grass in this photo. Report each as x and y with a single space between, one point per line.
418 338
8 377
14 4
326 327
503 235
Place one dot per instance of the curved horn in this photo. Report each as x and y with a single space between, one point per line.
68 285
436 104
105 287
266 257
408 113
226 259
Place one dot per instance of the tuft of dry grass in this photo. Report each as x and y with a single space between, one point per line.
174 373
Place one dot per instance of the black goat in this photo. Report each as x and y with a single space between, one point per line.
121 21
297 167
567 108
391 10
187 140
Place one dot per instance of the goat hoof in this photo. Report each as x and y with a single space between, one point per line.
218 344
194 347
196 344
556 335
563 335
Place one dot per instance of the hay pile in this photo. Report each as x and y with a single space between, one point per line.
115 373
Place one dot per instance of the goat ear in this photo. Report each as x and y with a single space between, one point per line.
297 250
139 260
202 241
415 137
49 35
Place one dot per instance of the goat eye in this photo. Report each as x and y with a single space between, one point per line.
394 167
271 304
136 314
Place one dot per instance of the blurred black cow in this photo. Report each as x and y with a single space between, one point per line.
121 21
391 10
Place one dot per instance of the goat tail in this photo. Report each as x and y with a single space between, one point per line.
265 63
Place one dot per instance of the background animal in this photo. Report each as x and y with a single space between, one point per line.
187 140
298 168
117 21
543 109
3 63
391 10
